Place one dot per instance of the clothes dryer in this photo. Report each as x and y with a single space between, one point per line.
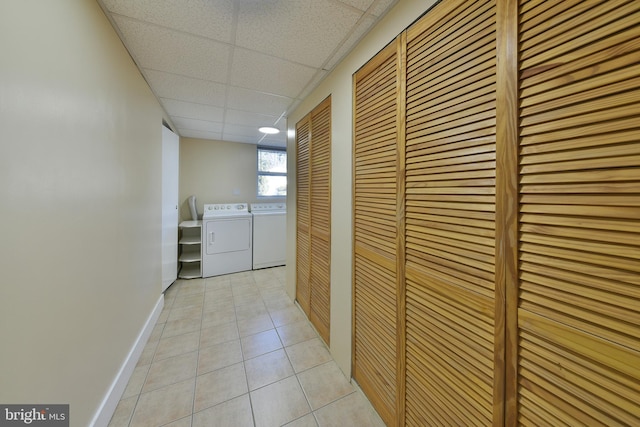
269 234
227 245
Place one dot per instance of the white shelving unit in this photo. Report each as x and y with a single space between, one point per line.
190 257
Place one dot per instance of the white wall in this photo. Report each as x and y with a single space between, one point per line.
218 172
80 204
339 85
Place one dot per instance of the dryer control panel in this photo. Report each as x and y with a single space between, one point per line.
268 207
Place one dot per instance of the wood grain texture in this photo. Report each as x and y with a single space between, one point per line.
579 228
401 306
377 171
303 214
320 274
506 296
454 344
497 216
313 228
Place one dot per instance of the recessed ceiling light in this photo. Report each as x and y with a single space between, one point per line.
268 129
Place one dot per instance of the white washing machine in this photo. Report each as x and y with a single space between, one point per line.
269 234
226 239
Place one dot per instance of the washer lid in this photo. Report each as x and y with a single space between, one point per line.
225 209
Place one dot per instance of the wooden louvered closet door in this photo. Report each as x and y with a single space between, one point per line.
452 355
375 278
320 159
303 215
313 226
578 318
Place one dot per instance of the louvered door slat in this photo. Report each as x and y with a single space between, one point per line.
562 15
460 70
620 81
377 125
375 144
443 44
539 12
375 231
612 17
579 244
380 243
450 212
376 108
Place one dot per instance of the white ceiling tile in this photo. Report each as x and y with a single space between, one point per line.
240 117
175 52
380 7
302 31
193 124
208 18
192 110
182 88
239 138
190 133
248 131
223 68
253 70
358 4
257 102
358 32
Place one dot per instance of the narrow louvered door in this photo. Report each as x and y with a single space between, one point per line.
579 289
320 198
303 216
451 351
376 229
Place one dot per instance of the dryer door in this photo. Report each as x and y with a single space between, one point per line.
228 235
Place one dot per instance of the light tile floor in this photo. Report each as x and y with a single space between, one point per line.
234 351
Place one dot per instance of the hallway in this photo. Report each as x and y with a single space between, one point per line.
234 351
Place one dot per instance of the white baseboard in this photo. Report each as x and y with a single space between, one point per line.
110 402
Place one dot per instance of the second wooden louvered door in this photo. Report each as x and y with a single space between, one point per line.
313 224
375 230
578 319
303 215
320 196
450 217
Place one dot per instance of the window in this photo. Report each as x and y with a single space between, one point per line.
272 172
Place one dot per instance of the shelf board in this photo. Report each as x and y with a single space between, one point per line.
190 240
191 224
189 257
190 272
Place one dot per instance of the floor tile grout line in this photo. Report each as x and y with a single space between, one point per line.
305 394
253 414
299 382
193 411
246 378
195 380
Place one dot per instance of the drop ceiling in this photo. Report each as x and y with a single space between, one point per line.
223 68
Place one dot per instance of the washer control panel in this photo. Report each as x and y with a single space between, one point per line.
219 209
